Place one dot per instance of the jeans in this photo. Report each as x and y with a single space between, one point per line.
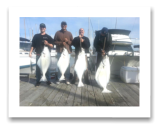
38 71
67 73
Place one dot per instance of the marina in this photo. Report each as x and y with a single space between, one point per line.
121 54
123 94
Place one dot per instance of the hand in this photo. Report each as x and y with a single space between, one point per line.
66 40
82 40
64 43
46 42
103 52
80 36
30 54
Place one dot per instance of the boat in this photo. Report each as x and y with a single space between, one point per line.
121 53
53 52
27 65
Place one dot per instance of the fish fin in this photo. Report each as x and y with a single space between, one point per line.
43 78
106 91
62 77
80 84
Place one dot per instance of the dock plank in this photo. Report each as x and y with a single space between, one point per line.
58 95
129 100
84 95
49 100
128 90
117 99
98 93
35 94
24 89
43 97
71 97
65 95
134 87
91 96
77 100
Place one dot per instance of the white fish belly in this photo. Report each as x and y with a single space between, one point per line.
44 62
102 76
63 62
80 67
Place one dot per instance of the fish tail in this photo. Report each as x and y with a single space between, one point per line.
43 78
80 84
62 77
106 91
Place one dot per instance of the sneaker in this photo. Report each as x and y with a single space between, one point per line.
48 82
57 82
37 84
86 81
73 81
67 82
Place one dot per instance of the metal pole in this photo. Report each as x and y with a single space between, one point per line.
24 28
88 28
30 33
116 23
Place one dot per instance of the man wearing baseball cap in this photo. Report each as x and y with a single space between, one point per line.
38 42
63 39
102 43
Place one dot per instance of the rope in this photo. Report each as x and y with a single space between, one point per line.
104 43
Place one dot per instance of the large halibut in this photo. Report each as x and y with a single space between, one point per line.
80 66
63 63
44 62
102 76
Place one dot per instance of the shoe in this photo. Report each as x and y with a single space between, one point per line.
57 82
87 82
37 84
67 82
73 80
48 82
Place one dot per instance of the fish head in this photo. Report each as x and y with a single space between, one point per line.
105 60
81 52
65 52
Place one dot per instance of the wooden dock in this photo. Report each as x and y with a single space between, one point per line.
70 95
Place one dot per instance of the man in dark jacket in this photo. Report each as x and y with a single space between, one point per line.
38 42
102 43
85 44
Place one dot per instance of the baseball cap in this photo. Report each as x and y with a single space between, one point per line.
104 30
42 25
63 23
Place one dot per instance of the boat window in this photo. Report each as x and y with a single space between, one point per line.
25 46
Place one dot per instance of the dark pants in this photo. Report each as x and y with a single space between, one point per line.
38 71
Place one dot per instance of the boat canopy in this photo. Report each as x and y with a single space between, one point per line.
24 39
117 31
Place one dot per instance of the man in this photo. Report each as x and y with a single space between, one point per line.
85 45
102 43
63 39
38 43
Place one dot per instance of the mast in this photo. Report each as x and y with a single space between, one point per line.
88 28
32 33
24 27
116 23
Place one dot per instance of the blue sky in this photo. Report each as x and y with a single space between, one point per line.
75 23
